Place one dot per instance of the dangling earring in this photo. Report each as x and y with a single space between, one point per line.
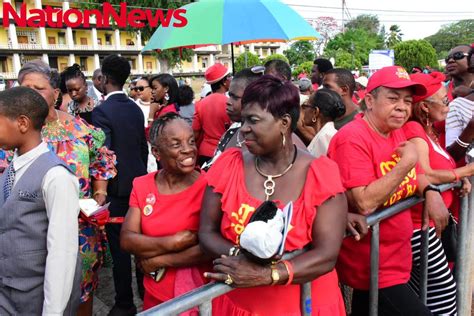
167 97
283 139
314 120
428 123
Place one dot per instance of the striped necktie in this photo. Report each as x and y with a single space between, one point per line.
9 180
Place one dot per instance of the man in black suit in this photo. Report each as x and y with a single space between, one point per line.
123 124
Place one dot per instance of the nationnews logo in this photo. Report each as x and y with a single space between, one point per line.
56 17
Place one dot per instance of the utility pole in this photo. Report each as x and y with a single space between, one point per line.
342 14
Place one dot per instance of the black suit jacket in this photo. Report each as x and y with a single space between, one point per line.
123 124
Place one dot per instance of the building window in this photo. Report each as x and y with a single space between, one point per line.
130 42
83 63
62 66
62 38
3 64
108 39
83 41
99 41
149 65
51 40
22 39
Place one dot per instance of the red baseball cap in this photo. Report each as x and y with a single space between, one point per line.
215 73
394 77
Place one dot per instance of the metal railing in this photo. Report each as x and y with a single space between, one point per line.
202 297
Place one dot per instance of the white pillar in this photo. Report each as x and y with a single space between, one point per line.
158 65
211 60
195 63
242 49
269 52
95 46
96 61
117 39
72 60
252 48
139 40
42 30
140 64
16 63
45 58
260 52
69 38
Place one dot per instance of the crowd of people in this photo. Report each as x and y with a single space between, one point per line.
219 190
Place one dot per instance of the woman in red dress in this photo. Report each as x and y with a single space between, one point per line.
161 225
439 167
270 111
164 96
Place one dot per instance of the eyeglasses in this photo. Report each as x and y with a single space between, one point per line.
444 102
141 88
234 97
456 56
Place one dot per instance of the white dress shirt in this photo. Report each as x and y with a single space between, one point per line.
60 190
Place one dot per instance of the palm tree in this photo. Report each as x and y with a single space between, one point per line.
394 36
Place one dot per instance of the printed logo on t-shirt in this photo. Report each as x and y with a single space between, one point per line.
408 186
239 219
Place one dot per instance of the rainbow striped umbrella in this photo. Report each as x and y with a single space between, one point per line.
218 22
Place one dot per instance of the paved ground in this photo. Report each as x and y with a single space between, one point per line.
104 296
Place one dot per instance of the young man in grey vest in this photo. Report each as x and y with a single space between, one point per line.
39 205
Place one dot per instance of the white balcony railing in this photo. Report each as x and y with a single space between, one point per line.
29 46
8 75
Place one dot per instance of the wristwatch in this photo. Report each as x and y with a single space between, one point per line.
275 274
430 187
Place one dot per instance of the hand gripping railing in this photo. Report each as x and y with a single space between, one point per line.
202 297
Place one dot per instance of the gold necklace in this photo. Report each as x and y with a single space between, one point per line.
269 184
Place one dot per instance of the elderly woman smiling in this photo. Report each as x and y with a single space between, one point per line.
273 169
162 222
378 168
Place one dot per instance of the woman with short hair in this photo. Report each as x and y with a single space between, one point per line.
271 173
161 225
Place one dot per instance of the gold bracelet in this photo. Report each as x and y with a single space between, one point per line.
99 192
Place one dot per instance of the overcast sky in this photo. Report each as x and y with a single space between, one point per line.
411 15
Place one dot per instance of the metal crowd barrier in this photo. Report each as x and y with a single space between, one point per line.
202 297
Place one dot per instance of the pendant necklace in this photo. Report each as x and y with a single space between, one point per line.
269 184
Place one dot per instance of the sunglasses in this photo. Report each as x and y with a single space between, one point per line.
456 56
139 88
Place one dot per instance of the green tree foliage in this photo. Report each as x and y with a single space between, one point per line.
171 57
452 35
299 52
303 68
275 56
356 42
394 37
413 53
246 60
368 22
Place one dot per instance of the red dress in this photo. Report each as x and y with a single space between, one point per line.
211 117
364 156
171 213
322 182
439 160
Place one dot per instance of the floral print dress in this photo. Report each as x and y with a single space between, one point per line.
80 146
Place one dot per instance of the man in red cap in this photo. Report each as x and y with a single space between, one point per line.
210 119
379 168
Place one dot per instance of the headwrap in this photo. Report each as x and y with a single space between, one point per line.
432 82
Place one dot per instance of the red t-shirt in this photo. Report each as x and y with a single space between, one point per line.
322 182
171 213
364 156
439 160
211 118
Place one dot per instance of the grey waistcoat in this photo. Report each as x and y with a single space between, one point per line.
23 229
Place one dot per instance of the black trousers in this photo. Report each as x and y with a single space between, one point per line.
122 268
397 300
